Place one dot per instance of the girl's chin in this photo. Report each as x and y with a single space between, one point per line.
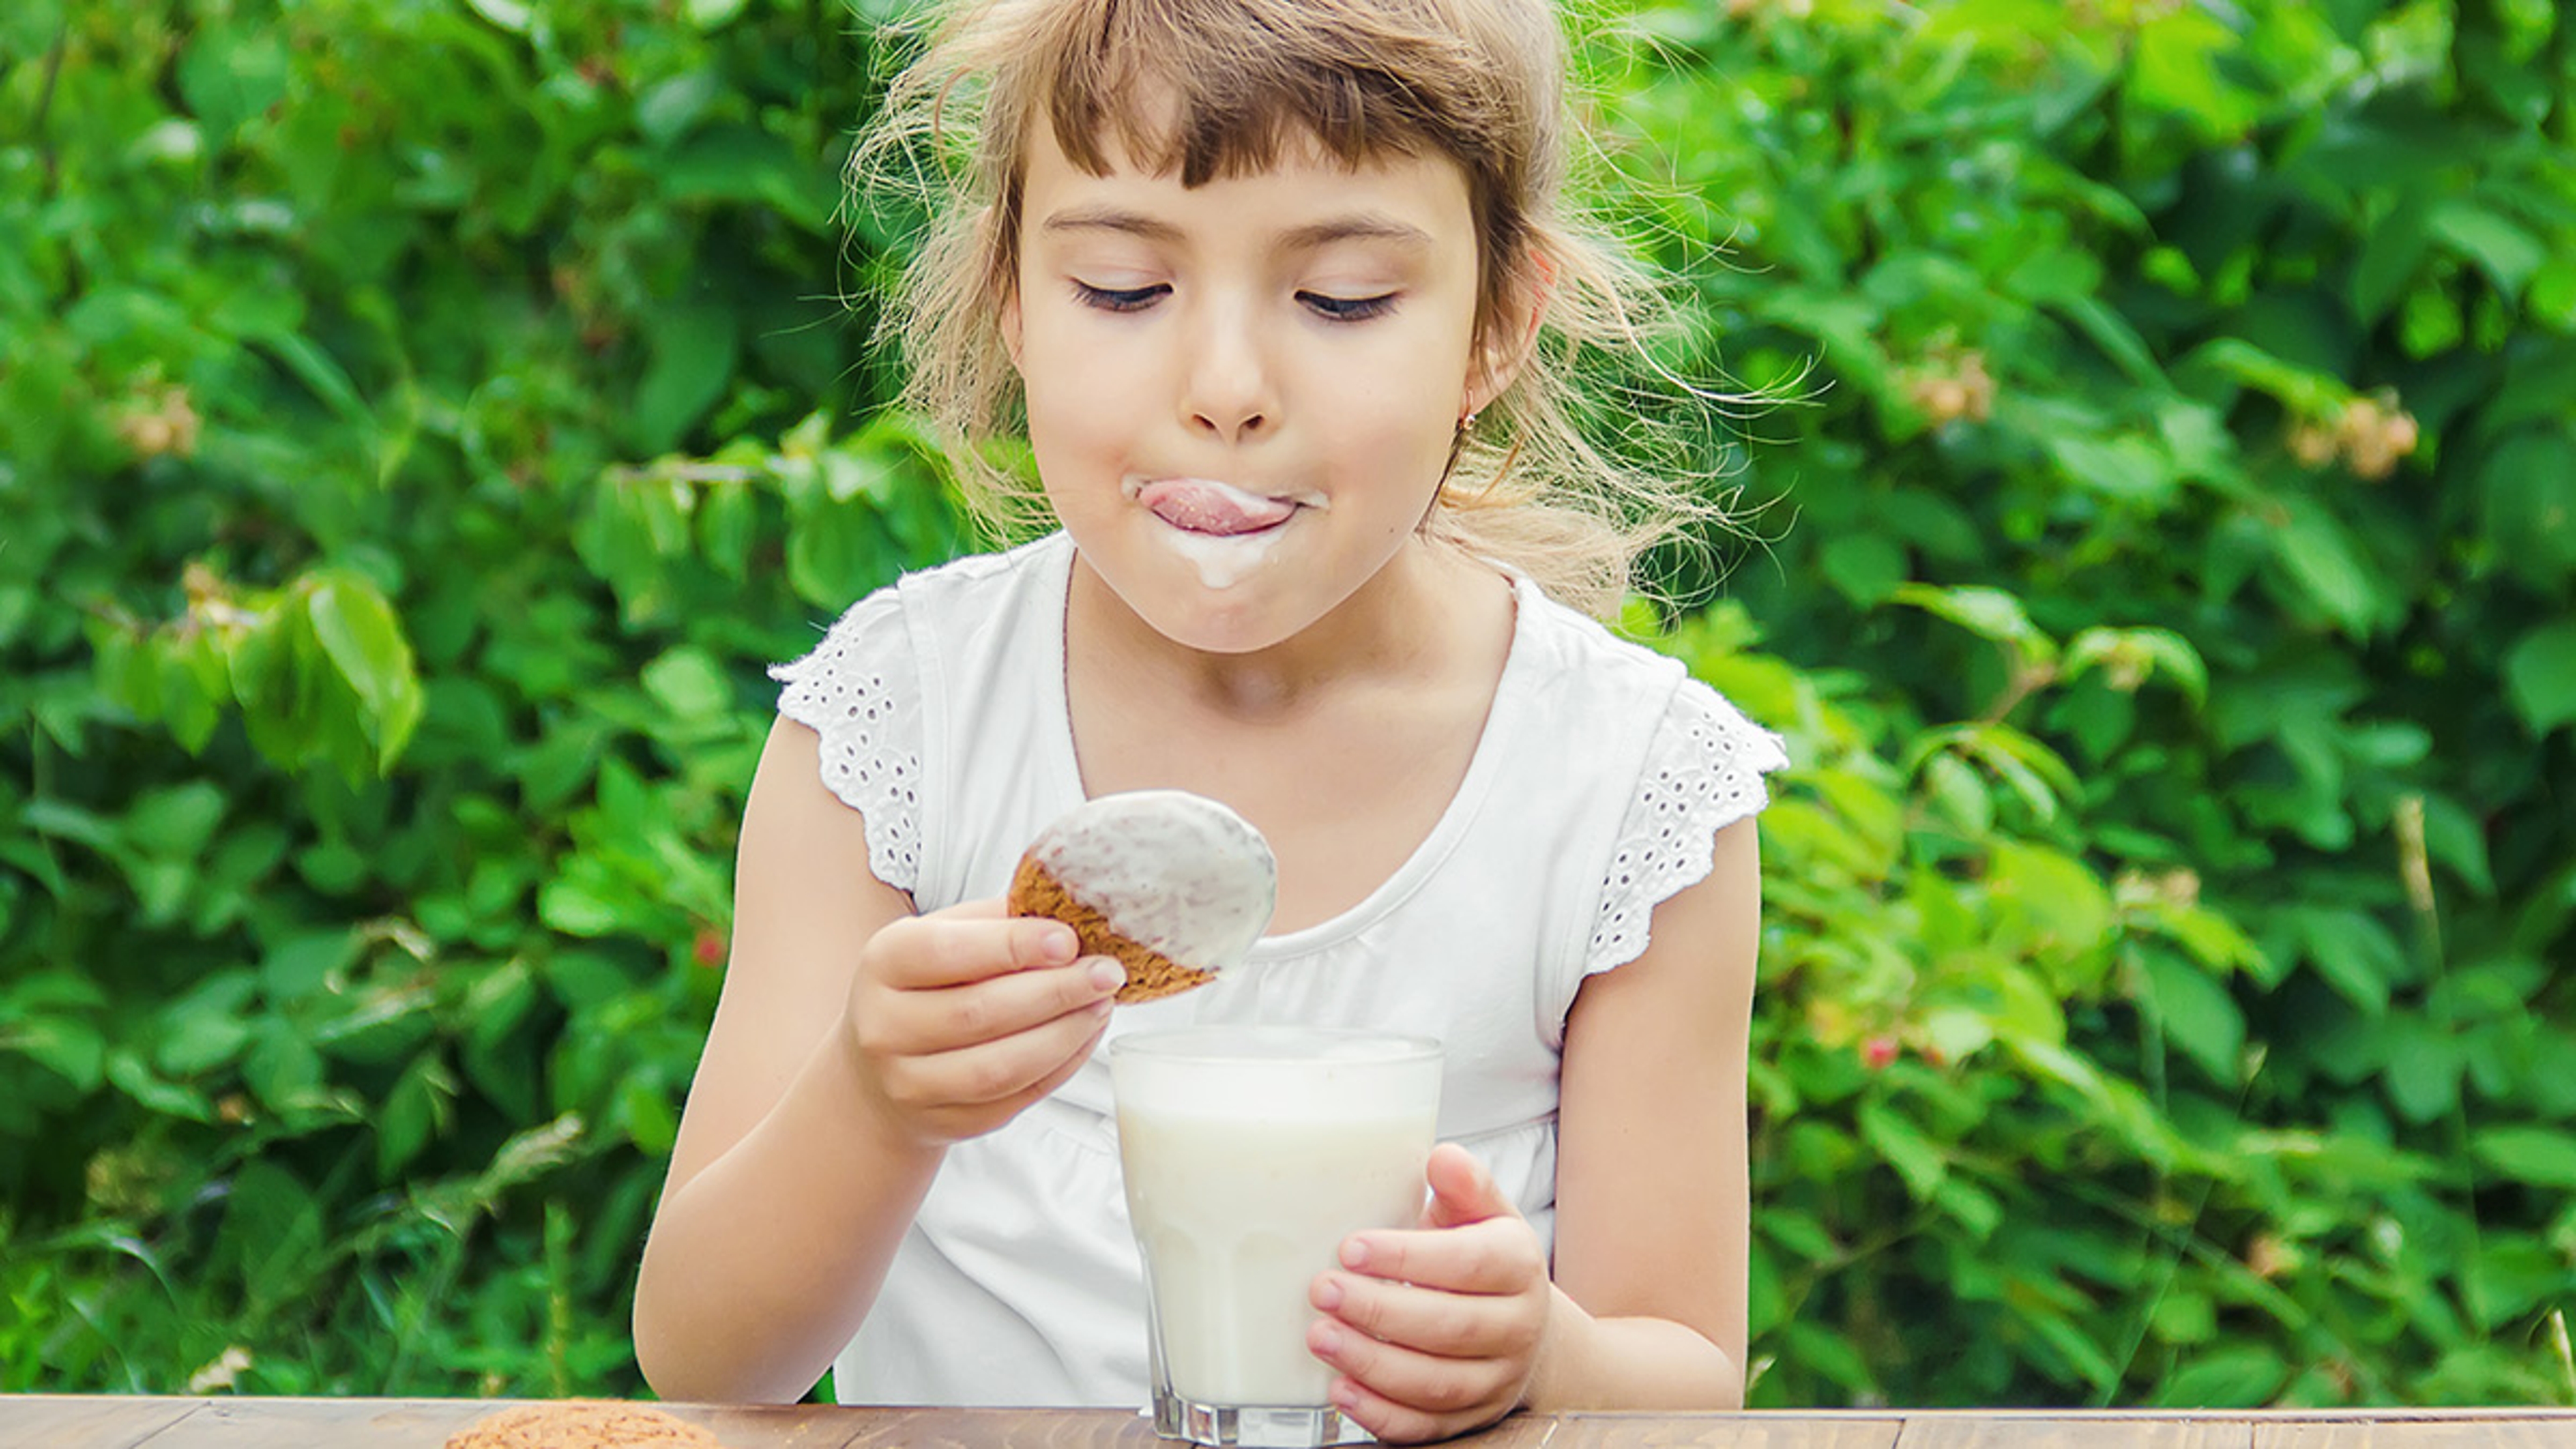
1195 621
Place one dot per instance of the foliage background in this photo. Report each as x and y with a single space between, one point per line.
419 419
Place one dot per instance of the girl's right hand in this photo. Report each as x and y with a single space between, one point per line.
961 1018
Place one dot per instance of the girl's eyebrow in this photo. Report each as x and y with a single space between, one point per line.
1357 226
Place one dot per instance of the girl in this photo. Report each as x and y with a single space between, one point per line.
1265 281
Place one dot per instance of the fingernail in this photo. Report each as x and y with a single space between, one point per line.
1059 947
1328 1294
1107 975
1355 1254
1327 1341
1346 1395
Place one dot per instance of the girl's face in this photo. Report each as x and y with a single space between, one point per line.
1241 396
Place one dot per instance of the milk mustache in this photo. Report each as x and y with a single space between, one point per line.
1250 1153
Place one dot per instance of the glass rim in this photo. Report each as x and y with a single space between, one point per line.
1169 1044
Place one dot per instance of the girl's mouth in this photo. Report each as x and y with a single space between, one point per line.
1218 510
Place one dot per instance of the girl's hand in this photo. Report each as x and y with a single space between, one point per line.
1436 1331
961 1018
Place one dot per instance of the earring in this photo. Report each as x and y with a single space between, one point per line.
1467 421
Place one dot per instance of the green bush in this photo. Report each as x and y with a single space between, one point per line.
423 417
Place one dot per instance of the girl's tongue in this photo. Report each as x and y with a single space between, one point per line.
1203 506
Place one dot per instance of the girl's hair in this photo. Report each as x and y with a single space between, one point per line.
1481 82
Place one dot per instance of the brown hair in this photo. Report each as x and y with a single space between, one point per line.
1481 82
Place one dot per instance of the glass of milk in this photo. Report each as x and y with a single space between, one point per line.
1250 1153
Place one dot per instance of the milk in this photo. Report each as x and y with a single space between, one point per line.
1236 1217
1250 1154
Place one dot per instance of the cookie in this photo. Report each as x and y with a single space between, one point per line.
1174 885
582 1424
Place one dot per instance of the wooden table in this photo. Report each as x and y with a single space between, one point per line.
102 1422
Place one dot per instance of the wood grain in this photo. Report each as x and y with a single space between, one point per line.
249 1423
998 1429
43 1421
2041 1431
34 1421
2398 1432
1766 1430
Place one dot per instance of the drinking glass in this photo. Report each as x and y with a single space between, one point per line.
1250 1153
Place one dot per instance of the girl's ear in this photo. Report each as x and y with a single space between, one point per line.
1500 356
1011 326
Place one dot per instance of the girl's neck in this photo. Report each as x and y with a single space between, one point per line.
1345 745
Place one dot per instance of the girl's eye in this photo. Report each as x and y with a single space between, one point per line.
1348 309
1118 299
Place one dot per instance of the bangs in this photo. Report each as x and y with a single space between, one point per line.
1204 89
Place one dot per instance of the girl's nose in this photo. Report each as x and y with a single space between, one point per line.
1229 392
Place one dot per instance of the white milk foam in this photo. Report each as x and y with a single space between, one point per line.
1175 872
1223 560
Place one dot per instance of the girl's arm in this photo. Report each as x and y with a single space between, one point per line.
1441 1331
853 1041
1652 1196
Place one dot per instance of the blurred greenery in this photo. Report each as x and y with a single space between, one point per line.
420 419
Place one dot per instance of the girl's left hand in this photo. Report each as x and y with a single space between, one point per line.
1436 1331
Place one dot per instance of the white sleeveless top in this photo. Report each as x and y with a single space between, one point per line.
1594 793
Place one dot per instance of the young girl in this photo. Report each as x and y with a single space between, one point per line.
1265 282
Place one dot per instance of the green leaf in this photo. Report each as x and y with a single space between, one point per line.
2390 255
72 1050
578 910
510 15
2198 1014
2355 954
2118 340
649 1121
1903 1146
727 526
176 823
2527 504
2235 1375
318 372
693 355
688 683
415 1110
836 553
135 1080
228 74
364 642
2123 467
2503 250
2423 1077
2319 555
2540 677
307 964
271 1229
1971 1206
1863 567
2179 67
2539 1156
283 1070
1990 613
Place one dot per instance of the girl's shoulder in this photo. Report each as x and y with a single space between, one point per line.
868 687
1584 654
970 586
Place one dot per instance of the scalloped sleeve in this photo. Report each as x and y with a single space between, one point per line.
861 691
1703 772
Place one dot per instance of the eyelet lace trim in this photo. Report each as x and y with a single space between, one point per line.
1703 773
871 746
